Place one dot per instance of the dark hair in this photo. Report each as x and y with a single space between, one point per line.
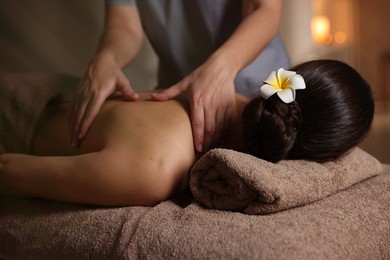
328 118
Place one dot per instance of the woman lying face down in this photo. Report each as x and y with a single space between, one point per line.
140 153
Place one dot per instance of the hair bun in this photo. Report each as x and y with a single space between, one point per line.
270 127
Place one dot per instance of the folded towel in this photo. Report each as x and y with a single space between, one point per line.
229 180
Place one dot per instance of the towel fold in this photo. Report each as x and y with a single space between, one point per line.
230 180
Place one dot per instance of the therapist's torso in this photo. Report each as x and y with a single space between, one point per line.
184 33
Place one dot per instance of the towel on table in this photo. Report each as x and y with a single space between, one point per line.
230 180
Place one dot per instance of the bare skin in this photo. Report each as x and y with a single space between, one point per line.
136 153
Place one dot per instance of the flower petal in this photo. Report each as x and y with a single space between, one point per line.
283 77
284 74
287 95
296 82
272 79
268 90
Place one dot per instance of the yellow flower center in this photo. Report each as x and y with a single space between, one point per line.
284 84
280 83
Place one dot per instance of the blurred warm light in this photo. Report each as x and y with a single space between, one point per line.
320 29
332 22
340 37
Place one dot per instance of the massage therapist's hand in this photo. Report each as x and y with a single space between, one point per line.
210 91
103 78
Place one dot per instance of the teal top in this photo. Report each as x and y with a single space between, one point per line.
184 33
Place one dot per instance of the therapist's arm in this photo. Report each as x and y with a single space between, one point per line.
210 88
260 25
123 34
121 41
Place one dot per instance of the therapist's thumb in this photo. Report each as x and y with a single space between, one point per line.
124 87
167 94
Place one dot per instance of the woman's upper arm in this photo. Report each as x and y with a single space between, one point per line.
129 177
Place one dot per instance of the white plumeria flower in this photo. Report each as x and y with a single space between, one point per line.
284 83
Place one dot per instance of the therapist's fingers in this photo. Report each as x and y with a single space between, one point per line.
220 126
86 108
84 115
124 87
89 102
197 111
197 123
168 93
210 127
218 118
79 104
90 112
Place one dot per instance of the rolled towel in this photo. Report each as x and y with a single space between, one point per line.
230 180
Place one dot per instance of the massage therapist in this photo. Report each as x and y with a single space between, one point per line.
207 50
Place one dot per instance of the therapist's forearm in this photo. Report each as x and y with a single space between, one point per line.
252 36
118 45
123 35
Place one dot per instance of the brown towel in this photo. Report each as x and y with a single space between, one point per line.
352 224
229 180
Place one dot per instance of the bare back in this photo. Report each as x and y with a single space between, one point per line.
152 139
144 130
136 153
